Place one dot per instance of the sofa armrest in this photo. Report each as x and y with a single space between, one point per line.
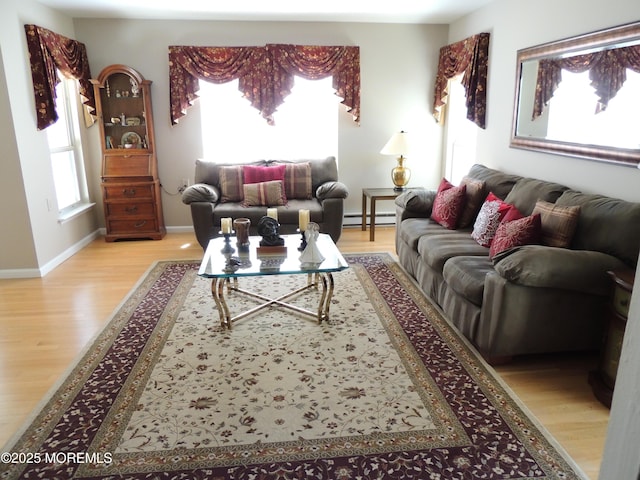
200 192
332 190
552 267
202 217
417 201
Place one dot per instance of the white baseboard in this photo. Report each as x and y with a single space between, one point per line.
49 266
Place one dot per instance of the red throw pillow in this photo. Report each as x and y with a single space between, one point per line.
448 204
492 212
257 174
513 233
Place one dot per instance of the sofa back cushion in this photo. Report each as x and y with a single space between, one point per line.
495 181
527 191
322 170
605 225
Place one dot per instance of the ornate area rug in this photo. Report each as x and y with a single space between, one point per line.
384 389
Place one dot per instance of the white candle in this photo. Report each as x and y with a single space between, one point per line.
273 213
225 224
303 219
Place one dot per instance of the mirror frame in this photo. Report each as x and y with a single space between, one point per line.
596 40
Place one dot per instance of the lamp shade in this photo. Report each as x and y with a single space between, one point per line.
398 144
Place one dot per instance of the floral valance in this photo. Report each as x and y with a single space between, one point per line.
607 72
469 57
49 51
265 74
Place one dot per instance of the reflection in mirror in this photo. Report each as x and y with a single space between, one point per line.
581 97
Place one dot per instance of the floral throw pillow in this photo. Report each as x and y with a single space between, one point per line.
514 233
491 213
448 204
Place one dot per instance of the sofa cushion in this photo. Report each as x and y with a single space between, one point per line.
258 174
527 191
517 232
268 194
497 182
448 204
600 223
491 214
231 181
465 275
475 195
558 223
437 249
413 229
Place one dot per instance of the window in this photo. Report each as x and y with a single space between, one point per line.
66 152
306 125
573 119
461 134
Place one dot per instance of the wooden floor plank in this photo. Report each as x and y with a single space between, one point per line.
46 322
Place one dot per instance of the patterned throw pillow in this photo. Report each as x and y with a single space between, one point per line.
491 214
558 223
258 174
297 181
231 183
448 204
267 194
514 233
475 195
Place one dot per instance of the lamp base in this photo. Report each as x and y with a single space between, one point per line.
400 175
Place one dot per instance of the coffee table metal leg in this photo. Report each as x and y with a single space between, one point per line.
325 298
217 289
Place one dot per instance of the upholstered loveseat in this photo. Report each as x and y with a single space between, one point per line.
248 189
527 297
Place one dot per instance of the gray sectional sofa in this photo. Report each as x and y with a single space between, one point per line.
325 200
527 299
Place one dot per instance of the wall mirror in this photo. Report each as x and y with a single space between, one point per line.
581 97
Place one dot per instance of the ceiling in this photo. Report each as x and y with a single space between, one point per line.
395 11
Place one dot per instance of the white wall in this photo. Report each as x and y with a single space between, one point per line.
29 202
517 24
398 65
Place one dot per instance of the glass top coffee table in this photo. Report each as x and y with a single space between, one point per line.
225 262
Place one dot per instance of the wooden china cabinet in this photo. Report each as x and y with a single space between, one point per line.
130 184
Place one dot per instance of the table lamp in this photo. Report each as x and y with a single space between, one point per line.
398 145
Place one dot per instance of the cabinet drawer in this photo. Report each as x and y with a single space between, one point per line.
128 191
137 209
127 165
133 226
621 301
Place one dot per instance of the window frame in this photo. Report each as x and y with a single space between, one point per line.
68 99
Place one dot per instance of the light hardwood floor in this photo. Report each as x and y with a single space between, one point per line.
45 323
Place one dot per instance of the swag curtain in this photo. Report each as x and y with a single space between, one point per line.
469 57
49 51
607 72
265 74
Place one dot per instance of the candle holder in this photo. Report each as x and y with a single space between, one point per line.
303 241
227 248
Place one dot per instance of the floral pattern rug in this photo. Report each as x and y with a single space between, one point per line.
384 389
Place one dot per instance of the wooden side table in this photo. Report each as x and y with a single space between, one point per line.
603 379
375 194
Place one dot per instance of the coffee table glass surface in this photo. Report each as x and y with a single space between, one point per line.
225 262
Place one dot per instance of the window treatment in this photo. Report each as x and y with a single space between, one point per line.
265 74
607 72
469 57
49 51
